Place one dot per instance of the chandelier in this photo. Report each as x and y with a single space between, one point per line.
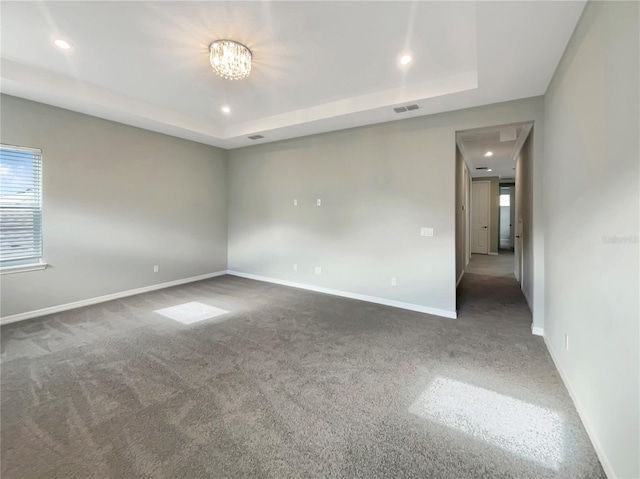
229 59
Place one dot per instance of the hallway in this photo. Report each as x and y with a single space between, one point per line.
490 265
489 291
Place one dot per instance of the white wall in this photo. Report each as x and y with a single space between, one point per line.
379 184
116 201
591 214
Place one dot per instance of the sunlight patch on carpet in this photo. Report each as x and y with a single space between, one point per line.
189 313
516 426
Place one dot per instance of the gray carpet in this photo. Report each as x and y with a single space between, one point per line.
492 265
289 383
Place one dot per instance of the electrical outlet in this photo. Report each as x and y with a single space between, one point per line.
295 202
566 342
319 202
393 282
295 266
156 268
318 270
426 231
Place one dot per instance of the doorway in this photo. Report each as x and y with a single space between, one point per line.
507 216
480 217
489 157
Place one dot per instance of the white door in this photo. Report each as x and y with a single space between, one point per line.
480 192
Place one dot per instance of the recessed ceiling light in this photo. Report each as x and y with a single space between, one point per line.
489 169
226 109
489 153
62 44
405 59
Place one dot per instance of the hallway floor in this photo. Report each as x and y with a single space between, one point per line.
492 265
489 291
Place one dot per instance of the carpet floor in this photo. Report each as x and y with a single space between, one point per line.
501 264
287 383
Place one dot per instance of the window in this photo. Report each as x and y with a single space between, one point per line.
20 208
505 200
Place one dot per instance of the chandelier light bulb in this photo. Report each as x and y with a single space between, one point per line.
229 59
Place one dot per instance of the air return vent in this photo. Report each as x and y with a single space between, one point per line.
402 109
482 168
255 137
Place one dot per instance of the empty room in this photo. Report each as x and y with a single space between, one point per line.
339 239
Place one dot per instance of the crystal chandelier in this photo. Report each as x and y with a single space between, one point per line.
229 59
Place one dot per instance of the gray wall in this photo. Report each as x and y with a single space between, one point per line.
378 184
524 211
116 201
591 214
462 194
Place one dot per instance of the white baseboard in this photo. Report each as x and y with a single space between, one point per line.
460 278
101 299
362 297
537 330
604 460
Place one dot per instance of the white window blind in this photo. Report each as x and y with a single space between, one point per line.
20 206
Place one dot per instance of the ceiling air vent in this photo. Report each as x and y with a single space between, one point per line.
255 137
402 109
482 168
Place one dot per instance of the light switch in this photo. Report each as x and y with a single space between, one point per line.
295 202
319 202
318 270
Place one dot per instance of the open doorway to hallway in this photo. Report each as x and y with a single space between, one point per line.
493 198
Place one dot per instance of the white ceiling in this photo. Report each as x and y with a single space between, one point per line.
318 66
474 144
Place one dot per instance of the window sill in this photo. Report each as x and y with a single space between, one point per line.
23 268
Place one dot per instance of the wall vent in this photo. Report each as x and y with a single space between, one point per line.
255 137
482 168
402 109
